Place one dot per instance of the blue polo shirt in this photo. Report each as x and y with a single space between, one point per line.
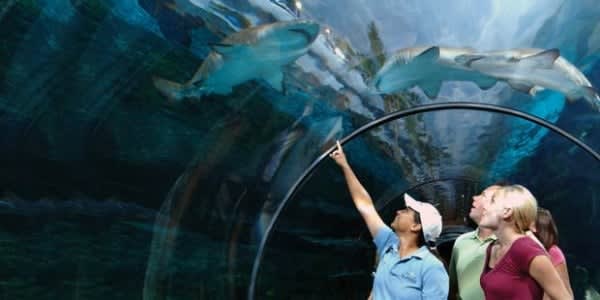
418 276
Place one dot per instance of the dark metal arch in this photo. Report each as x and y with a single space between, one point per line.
432 181
390 117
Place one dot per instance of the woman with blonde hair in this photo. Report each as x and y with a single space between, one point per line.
516 267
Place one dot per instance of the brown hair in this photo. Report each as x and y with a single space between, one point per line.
545 228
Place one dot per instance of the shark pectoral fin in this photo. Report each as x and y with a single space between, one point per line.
275 80
521 87
172 90
544 59
431 89
535 89
226 49
486 84
467 59
432 53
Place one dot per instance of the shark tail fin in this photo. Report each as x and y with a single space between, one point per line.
172 90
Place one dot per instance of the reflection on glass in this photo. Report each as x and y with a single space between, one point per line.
110 190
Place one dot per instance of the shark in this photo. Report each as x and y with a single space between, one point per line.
258 52
427 68
531 70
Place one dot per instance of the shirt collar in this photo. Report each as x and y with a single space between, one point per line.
476 236
420 253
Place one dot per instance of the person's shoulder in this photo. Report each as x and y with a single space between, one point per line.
527 242
385 236
556 255
385 232
555 249
527 246
465 236
434 266
433 261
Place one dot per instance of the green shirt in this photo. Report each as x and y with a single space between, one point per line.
466 264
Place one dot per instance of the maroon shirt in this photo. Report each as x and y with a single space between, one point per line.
510 279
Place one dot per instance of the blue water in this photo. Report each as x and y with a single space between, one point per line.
108 189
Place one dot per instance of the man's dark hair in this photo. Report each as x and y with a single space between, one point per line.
501 183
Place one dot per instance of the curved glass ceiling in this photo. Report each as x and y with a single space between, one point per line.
146 146
328 236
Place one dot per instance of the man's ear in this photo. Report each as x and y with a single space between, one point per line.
416 227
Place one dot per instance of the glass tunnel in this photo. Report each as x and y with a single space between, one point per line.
177 149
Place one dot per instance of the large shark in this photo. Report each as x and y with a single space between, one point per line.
426 67
255 53
530 70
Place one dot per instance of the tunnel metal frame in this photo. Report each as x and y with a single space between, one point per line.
432 180
388 118
429 181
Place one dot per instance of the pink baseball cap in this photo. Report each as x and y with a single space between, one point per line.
431 220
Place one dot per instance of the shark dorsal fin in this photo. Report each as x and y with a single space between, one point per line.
544 59
432 53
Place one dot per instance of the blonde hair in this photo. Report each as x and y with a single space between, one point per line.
521 201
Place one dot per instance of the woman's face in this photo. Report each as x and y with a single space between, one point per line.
493 212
